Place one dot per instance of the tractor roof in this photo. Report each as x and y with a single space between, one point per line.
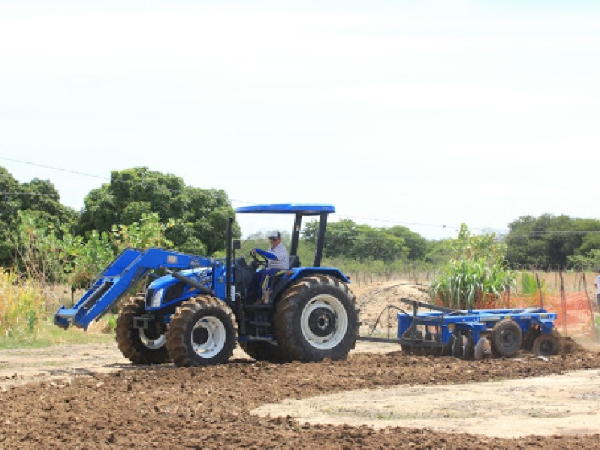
288 208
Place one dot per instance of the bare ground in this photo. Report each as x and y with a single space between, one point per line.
90 397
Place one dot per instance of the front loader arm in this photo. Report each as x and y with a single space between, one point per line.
124 272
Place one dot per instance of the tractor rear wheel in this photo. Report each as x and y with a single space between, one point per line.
137 345
546 345
316 318
506 337
202 332
263 351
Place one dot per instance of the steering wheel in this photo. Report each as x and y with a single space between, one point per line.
256 263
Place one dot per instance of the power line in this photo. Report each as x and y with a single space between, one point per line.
142 183
76 172
85 174
29 193
406 223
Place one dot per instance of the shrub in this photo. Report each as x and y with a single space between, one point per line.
21 305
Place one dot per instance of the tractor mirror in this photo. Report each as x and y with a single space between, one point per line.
237 244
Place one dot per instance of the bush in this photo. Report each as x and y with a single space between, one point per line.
21 305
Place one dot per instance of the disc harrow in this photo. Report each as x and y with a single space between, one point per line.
477 333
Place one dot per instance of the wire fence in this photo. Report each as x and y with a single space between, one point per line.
361 278
570 294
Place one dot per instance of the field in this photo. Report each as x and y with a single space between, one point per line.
88 396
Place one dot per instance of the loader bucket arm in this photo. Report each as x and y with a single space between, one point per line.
109 287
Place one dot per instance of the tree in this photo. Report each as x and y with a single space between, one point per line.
339 238
549 241
347 239
416 244
39 197
198 217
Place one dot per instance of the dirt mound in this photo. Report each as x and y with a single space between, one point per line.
210 407
569 347
380 304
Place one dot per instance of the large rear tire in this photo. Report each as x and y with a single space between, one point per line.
263 351
316 318
202 332
139 346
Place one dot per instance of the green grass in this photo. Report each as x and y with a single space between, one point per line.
49 335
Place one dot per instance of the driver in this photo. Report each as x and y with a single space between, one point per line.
281 262
277 248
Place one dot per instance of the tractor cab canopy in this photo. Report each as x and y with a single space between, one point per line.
288 208
299 210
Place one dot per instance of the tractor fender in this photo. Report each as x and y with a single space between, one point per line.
294 275
332 271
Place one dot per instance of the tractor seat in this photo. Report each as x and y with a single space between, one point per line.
294 261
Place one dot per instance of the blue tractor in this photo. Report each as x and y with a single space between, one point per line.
196 309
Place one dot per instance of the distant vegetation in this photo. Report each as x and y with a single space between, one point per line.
554 241
49 242
43 242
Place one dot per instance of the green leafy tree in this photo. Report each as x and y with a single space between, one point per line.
339 238
40 251
549 241
37 196
414 242
197 217
378 244
439 251
49 255
347 239
590 261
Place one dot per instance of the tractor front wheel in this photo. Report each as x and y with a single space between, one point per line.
137 345
202 332
316 318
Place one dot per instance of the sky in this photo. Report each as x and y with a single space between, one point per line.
425 114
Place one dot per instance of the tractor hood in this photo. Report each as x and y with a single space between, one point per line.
200 274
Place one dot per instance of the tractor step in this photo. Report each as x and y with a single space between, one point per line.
260 324
259 307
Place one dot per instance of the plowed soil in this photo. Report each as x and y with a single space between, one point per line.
168 407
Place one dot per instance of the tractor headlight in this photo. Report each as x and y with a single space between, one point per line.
156 298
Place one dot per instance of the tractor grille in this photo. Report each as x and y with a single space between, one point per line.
174 292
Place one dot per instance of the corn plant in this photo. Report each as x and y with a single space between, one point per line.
476 270
529 284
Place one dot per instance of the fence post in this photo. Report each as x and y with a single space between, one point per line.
563 301
539 285
587 294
